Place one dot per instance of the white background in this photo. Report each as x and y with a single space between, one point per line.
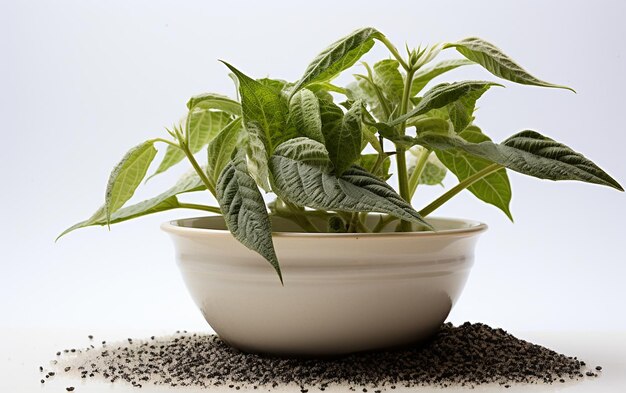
82 81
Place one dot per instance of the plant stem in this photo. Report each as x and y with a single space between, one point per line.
458 188
300 219
212 209
198 168
383 223
417 172
167 142
394 52
403 178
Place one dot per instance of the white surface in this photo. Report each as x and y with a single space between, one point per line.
28 349
82 81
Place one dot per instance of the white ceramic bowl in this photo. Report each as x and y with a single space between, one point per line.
342 293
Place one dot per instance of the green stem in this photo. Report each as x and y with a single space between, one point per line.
212 209
417 172
383 223
362 223
394 52
198 169
300 218
403 178
458 188
167 142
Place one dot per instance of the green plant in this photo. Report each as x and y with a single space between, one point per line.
293 140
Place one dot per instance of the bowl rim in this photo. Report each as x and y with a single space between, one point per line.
473 227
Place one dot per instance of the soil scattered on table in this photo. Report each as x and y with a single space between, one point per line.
467 355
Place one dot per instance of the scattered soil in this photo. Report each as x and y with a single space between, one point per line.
467 355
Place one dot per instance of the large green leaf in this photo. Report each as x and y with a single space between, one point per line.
215 101
167 200
244 210
442 95
339 56
304 110
355 191
495 61
305 150
221 148
342 134
264 109
495 188
265 112
127 175
278 85
530 153
202 125
422 77
390 80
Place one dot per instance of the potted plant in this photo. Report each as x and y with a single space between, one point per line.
352 265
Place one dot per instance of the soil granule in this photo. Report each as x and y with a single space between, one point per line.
467 355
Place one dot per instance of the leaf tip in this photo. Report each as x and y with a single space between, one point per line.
60 236
509 215
230 67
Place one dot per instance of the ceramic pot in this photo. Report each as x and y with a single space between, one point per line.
342 292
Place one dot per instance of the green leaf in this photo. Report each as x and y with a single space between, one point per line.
434 172
265 113
368 162
339 56
429 124
355 191
215 101
320 92
221 148
369 135
461 111
422 77
390 80
278 85
327 86
264 109
244 210
495 188
304 109
258 157
167 200
305 150
362 89
530 153
127 175
342 134
495 61
442 95
201 127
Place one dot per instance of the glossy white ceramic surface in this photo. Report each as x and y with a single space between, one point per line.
342 293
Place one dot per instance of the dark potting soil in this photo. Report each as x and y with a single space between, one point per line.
467 355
